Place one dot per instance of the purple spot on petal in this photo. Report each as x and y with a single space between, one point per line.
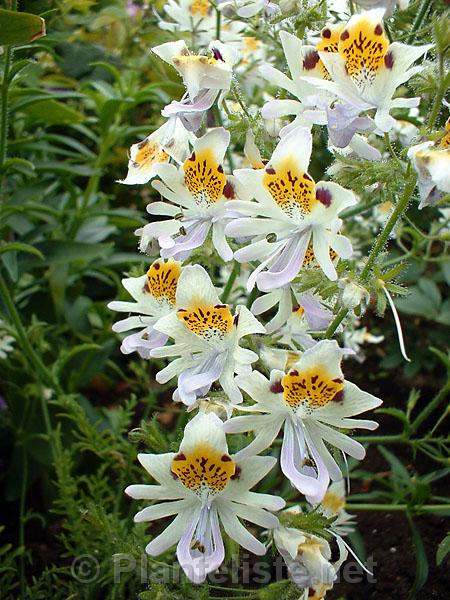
389 60
276 387
270 171
311 59
345 35
217 55
324 196
228 191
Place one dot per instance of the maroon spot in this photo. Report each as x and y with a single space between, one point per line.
378 30
220 305
217 55
226 458
307 177
311 59
146 289
228 191
345 35
338 397
270 171
276 387
295 309
220 169
192 157
156 266
180 456
236 320
237 473
142 144
294 373
389 60
324 196
264 161
337 380
326 33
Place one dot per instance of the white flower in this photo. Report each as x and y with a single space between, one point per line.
250 8
303 61
367 68
353 294
307 556
306 309
356 338
333 505
206 486
312 401
206 340
171 140
197 201
154 294
432 164
6 343
290 211
205 77
198 17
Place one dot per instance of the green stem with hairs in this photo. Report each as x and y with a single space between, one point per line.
379 245
232 278
418 21
426 412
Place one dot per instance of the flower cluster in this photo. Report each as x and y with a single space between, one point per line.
267 237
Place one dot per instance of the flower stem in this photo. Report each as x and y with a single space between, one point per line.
336 322
4 107
387 230
418 21
232 278
45 376
429 408
427 508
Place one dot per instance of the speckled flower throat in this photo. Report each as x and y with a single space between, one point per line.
207 321
312 388
204 470
364 48
204 177
162 280
293 190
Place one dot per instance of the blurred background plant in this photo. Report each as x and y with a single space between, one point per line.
73 101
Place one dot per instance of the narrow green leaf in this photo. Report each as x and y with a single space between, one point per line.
443 549
19 27
19 247
421 560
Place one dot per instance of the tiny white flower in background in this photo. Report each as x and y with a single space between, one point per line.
356 338
6 343
206 339
388 5
171 140
197 194
333 505
198 17
367 68
205 487
312 401
290 211
154 295
249 8
307 556
432 164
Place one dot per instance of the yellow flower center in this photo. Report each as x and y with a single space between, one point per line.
310 258
328 43
333 503
313 388
200 8
364 47
209 322
204 468
204 177
162 280
445 140
251 44
293 190
149 153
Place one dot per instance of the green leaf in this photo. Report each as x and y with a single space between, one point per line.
19 247
394 412
52 112
19 165
19 27
62 252
421 560
443 549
